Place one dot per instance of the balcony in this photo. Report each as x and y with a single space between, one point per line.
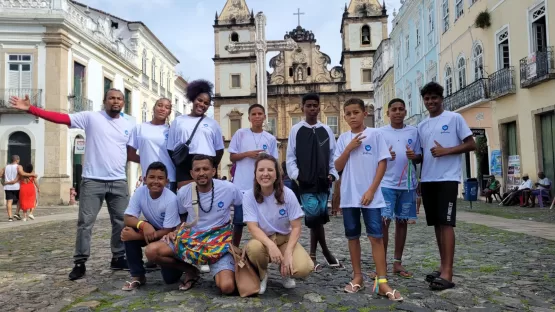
537 68
145 79
473 93
162 91
154 85
502 82
79 104
35 95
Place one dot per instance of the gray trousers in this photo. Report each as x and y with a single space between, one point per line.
92 194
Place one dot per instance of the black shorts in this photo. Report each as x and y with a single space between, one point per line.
183 171
12 195
440 202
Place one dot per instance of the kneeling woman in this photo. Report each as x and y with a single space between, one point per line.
206 238
273 216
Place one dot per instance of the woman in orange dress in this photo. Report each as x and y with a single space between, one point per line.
28 193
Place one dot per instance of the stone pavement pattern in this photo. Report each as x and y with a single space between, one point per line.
495 271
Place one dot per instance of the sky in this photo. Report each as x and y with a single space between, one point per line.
185 26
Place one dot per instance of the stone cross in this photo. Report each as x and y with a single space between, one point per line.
260 47
299 15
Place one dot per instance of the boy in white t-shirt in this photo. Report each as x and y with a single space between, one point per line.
362 155
245 146
444 136
399 182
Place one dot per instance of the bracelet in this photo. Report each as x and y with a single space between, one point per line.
139 224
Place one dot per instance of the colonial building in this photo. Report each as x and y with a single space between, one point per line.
295 73
519 55
468 76
414 38
384 81
65 55
180 103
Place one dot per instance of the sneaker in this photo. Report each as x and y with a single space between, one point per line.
288 282
24 219
263 284
10 219
205 269
31 217
119 264
78 271
17 216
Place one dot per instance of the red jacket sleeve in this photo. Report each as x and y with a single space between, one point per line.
58 118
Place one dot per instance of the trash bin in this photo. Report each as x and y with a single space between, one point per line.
471 190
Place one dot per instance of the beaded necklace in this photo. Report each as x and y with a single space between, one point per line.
211 201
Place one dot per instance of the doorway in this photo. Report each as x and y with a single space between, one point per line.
19 144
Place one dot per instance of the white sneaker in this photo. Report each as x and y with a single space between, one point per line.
288 282
24 219
205 268
263 284
31 217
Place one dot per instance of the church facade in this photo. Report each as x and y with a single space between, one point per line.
295 73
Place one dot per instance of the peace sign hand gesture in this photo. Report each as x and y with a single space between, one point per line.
19 103
355 142
392 152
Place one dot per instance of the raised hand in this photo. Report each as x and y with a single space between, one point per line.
410 153
438 150
392 152
355 142
19 103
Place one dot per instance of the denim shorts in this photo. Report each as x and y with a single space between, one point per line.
372 220
399 204
225 263
315 206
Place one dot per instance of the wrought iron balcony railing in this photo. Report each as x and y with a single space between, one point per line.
145 79
502 82
79 104
538 68
35 95
474 92
154 86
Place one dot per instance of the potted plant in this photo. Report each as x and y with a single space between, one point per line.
483 20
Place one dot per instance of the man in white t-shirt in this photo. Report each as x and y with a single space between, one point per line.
104 176
158 205
444 137
11 185
245 146
399 182
543 188
215 198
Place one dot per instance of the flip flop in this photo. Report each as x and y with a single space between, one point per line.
403 273
337 265
430 277
391 295
354 288
192 282
133 285
317 268
441 284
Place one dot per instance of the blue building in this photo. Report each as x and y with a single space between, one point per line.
415 40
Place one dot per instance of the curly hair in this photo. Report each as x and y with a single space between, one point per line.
194 88
278 183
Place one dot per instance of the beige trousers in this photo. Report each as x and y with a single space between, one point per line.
258 255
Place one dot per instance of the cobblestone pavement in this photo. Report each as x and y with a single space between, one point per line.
43 211
495 271
510 212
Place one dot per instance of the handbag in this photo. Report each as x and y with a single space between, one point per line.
246 278
202 247
181 151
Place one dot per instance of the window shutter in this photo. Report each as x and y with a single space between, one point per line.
14 78
26 79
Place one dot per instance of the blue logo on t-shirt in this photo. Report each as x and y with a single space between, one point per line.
445 127
410 141
206 125
126 132
282 212
121 114
264 147
166 135
163 215
368 148
221 204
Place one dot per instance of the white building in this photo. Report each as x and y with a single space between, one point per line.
383 83
65 55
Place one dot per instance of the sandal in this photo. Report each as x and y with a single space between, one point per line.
192 282
317 268
354 288
390 294
401 273
430 277
337 265
441 284
133 284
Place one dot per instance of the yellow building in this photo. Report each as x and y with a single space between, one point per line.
465 72
520 56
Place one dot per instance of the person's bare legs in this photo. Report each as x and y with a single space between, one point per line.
160 253
378 253
437 230
320 232
448 251
400 239
385 231
9 208
225 281
354 252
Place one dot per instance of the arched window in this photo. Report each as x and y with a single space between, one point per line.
478 56
19 144
365 34
461 72
448 80
153 69
144 61
234 37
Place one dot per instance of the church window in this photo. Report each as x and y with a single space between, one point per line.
272 125
308 71
365 34
234 37
290 71
366 76
295 120
332 122
234 125
448 80
235 81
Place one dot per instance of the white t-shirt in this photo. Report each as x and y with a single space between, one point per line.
448 129
525 185
271 217
397 170
10 174
105 145
245 140
225 195
150 140
161 212
545 181
206 141
360 169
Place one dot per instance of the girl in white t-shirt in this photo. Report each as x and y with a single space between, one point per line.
273 216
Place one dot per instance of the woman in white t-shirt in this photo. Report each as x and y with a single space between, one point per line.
150 139
206 140
273 216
